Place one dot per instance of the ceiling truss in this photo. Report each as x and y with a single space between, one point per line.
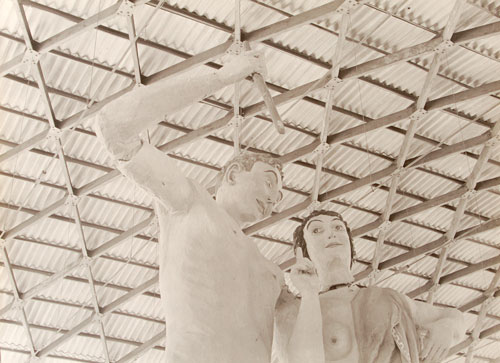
34 49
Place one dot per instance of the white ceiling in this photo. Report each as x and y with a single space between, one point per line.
49 154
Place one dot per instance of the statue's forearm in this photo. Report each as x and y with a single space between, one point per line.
125 117
306 342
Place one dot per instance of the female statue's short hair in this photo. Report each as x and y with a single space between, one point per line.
298 234
246 160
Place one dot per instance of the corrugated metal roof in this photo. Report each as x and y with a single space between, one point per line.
97 63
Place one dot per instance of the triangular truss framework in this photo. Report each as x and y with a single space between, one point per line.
421 107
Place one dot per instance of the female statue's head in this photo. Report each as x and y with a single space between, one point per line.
325 238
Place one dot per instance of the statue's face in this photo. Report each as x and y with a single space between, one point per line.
327 241
253 193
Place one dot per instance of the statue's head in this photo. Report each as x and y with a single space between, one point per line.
325 238
250 185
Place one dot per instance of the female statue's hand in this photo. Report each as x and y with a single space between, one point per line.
303 275
437 342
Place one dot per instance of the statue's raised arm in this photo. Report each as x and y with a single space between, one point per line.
120 122
217 291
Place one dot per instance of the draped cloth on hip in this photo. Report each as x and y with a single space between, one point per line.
384 326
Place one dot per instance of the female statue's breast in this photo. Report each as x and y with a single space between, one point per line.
337 340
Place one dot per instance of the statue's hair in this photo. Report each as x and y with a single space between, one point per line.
298 234
246 160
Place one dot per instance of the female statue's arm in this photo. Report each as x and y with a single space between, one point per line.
306 341
443 327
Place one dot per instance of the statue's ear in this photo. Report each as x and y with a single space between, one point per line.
231 173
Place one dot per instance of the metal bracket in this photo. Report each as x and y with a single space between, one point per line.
314 205
489 300
154 223
54 134
494 141
418 114
236 48
385 226
434 288
236 121
469 194
444 46
34 358
31 57
451 242
398 172
71 200
98 317
332 83
126 8
18 304
86 261
348 5
322 148
373 276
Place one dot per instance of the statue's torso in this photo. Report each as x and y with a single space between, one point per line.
339 338
219 292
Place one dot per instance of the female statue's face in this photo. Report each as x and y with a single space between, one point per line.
327 241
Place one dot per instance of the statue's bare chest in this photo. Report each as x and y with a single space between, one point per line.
339 337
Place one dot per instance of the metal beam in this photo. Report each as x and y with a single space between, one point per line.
66 336
256 35
460 37
332 139
470 185
307 165
482 314
136 229
426 205
18 302
225 28
428 247
136 353
133 49
479 300
455 275
410 132
89 112
370 179
104 311
465 343
322 148
216 51
65 35
49 112
83 334
397 216
400 215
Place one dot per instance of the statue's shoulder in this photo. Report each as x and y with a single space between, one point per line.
381 292
287 303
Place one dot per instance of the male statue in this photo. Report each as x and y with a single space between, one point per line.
336 321
218 292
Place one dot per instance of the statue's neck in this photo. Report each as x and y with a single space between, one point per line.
332 276
233 216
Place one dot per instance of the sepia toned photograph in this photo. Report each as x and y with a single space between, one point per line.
250 181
